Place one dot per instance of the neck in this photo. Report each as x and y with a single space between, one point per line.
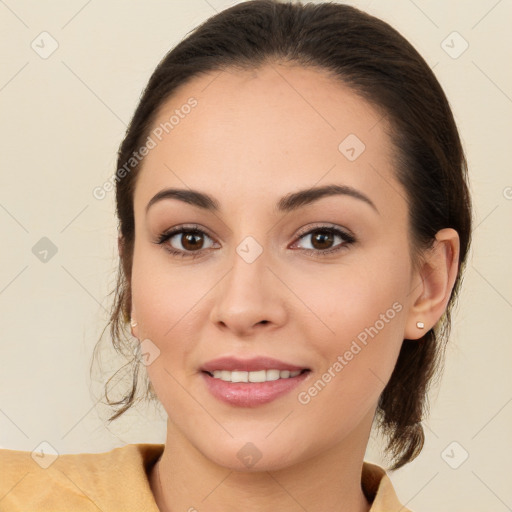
184 479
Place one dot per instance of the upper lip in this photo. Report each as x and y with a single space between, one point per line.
249 365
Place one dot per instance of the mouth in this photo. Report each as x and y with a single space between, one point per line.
251 382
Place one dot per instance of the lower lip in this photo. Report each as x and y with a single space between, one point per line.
251 394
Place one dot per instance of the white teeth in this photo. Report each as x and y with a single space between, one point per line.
260 376
273 374
257 376
237 376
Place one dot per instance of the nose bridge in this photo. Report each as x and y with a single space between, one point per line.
248 295
248 277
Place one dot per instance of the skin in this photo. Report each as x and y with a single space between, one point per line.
254 137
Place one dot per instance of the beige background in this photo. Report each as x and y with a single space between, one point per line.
62 118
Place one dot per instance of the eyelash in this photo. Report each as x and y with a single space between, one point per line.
166 235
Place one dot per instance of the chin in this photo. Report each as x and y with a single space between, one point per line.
246 456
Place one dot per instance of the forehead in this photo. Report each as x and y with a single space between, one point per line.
276 128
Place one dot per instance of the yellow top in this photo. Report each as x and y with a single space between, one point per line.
116 481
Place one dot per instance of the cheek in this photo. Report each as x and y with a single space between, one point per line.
166 302
358 361
162 295
362 318
344 301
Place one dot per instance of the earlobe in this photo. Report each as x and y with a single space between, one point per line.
133 324
437 275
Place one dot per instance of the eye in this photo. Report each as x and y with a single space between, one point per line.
323 237
191 240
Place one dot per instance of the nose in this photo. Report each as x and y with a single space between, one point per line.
250 297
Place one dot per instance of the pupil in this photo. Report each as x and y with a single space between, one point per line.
324 236
188 238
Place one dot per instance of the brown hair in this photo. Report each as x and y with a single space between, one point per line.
382 67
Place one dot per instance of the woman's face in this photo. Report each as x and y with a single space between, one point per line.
260 286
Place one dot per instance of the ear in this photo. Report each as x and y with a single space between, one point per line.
433 283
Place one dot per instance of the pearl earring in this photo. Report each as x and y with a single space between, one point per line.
134 324
420 325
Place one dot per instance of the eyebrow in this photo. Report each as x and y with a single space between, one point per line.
287 203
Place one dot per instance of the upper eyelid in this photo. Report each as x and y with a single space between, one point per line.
326 226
